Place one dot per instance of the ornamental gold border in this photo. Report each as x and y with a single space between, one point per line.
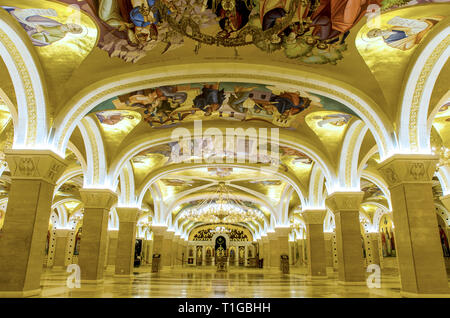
419 88
27 84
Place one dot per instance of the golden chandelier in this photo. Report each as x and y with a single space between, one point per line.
222 207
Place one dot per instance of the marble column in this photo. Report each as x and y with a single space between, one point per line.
158 240
203 255
22 245
315 240
97 203
266 251
283 242
328 236
373 252
112 247
345 206
126 240
274 248
419 253
62 236
166 256
175 250
291 245
299 250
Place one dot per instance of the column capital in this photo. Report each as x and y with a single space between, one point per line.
113 233
313 216
159 229
264 239
128 214
169 235
272 236
98 198
35 165
282 231
344 201
411 168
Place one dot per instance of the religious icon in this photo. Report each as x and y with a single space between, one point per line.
402 33
112 118
444 242
41 29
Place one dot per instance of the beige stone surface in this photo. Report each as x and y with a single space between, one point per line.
22 244
345 206
62 236
315 241
97 204
419 253
126 240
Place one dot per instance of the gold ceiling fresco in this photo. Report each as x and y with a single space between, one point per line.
62 35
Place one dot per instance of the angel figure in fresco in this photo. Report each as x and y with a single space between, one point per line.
42 30
333 119
403 34
113 118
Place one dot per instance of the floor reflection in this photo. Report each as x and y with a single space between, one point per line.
206 282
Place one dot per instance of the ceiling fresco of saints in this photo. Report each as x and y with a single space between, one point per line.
167 106
179 151
60 33
308 31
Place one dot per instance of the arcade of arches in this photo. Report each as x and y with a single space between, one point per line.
300 145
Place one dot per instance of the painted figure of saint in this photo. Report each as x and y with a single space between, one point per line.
333 119
137 17
404 33
76 250
289 103
444 242
335 17
42 30
211 99
112 119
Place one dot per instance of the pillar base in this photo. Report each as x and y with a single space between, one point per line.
419 295
20 294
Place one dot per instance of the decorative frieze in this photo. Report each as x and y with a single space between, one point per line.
408 169
98 198
314 216
35 164
344 201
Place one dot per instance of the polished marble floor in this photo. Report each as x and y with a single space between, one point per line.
206 282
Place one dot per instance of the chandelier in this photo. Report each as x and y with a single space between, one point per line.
222 207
